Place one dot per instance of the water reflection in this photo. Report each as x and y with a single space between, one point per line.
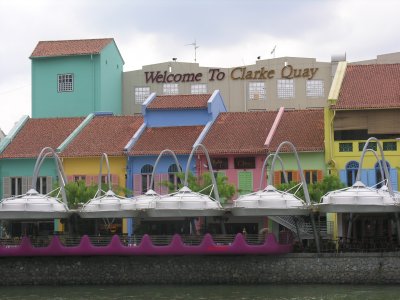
201 292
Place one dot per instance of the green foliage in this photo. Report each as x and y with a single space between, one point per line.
316 190
78 193
203 184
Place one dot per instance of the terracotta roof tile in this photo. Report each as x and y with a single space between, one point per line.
246 132
178 139
370 87
180 102
303 128
69 47
39 133
104 134
239 132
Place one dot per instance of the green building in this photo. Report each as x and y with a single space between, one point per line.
76 77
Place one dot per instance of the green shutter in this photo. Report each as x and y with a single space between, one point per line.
245 182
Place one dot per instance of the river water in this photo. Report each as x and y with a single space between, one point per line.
203 292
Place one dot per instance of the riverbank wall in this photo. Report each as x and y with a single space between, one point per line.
293 268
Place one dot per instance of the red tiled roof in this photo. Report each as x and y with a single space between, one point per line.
370 87
180 102
303 128
70 47
104 134
239 132
39 133
178 139
246 132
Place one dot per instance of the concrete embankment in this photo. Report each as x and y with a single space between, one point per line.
351 268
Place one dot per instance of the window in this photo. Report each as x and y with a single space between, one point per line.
371 145
173 176
245 162
379 178
141 94
200 88
65 83
345 147
315 88
16 186
41 185
289 175
389 146
285 88
79 178
170 89
311 176
351 172
256 90
219 163
146 171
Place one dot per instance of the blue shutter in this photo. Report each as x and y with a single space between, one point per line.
393 179
343 177
364 177
371 174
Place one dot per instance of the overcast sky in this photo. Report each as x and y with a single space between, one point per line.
229 33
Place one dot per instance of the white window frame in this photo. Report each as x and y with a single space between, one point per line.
285 88
18 186
170 89
199 88
256 90
141 94
41 185
315 88
65 82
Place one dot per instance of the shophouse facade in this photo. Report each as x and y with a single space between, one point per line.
75 78
364 102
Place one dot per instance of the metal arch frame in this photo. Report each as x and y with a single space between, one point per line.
159 158
263 169
104 156
216 193
387 175
60 170
385 169
304 183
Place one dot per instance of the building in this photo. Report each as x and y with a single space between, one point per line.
292 82
75 78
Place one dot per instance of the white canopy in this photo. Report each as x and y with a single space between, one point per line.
269 202
146 201
109 205
32 205
359 199
185 203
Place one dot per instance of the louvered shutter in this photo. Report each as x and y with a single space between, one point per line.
114 180
49 184
277 178
6 187
320 175
164 179
29 183
295 176
137 184
343 177
393 179
24 184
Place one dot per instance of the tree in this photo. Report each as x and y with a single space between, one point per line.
78 193
317 189
203 184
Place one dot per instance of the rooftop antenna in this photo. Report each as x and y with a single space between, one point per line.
195 49
273 51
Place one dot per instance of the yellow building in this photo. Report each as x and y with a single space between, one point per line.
363 102
102 134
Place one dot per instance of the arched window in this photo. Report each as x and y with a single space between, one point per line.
379 179
351 172
173 176
146 172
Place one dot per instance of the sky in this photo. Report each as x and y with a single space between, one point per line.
228 33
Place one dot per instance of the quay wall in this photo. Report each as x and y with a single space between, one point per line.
296 268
